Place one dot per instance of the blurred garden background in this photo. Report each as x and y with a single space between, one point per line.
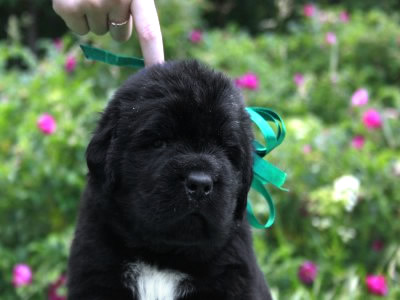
331 69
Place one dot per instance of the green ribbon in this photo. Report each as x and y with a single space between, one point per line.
264 172
111 58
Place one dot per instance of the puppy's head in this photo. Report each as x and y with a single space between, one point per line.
173 154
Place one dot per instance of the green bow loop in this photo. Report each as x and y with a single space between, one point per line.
261 116
259 187
265 172
111 58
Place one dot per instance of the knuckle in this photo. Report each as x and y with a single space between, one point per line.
58 7
64 8
117 2
95 4
148 32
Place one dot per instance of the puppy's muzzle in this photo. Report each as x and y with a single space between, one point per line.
198 185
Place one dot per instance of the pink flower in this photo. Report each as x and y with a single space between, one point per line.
330 38
70 64
372 119
307 272
58 44
22 275
196 36
309 10
298 79
344 16
248 81
307 149
57 289
360 97
358 142
376 284
377 245
46 124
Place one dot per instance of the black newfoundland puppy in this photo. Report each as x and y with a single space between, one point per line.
163 216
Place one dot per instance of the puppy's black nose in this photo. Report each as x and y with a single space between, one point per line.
198 184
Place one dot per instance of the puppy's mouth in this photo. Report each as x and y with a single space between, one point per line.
197 220
192 229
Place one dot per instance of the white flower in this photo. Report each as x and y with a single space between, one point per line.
321 223
298 127
396 168
346 234
346 189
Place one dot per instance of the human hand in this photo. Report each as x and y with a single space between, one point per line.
115 16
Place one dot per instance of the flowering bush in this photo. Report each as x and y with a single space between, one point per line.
334 80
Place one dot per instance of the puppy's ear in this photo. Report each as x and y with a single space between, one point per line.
100 149
247 177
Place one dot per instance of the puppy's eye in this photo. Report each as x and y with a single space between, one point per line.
159 144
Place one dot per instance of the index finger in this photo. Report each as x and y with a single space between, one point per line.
148 28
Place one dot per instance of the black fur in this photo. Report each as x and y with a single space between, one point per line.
163 124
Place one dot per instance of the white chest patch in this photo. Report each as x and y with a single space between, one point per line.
150 283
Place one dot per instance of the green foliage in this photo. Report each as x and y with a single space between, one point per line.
39 192
42 176
259 16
